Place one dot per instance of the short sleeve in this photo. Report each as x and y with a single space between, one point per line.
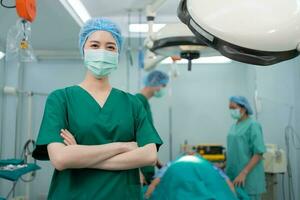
144 129
54 119
256 139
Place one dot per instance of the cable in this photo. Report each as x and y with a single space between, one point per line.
25 153
282 186
5 6
289 131
11 190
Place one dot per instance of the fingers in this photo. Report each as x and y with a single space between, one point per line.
237 182
66 133
67 142
68 137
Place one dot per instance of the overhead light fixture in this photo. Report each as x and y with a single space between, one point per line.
1 55
201 60
144 28
77 10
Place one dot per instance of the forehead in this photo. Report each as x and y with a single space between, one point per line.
101 36
233 105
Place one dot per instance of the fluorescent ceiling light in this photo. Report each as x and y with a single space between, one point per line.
77 10
144 28
201 60
1 55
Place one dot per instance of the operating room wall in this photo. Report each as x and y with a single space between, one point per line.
1 100
278 89
199 104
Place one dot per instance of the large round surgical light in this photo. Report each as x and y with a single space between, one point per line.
177 40
255 32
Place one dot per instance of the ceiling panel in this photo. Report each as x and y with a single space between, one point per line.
55 29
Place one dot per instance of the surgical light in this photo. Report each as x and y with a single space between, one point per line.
201 60
246 31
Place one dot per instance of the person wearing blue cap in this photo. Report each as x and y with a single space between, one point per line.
96 136
245 148
155 83
154 86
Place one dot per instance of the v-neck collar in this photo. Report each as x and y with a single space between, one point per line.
94 100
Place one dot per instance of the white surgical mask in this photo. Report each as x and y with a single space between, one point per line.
235 113
100 62
160 93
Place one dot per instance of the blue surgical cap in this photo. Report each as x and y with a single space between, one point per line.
242 101
99 24
156 78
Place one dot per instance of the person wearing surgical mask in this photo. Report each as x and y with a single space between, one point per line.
95 135
155 86
245 149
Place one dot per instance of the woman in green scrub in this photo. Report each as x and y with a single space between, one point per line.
245 148
155 83
114 136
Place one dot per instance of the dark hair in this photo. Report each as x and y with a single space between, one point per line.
243 107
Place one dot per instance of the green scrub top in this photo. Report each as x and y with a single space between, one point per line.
244 140
121 119
192 177
146 105
147 171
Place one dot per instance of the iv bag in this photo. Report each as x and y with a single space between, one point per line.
18 45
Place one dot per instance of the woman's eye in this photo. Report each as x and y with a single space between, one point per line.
111 48
95 46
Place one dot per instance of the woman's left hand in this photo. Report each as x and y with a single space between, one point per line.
68 137
239 181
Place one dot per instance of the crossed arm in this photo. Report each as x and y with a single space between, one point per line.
112 156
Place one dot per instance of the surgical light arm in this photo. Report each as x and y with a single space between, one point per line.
151 60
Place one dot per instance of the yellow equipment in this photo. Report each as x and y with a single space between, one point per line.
211 152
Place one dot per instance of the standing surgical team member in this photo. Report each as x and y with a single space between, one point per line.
155 85
245 148
114 136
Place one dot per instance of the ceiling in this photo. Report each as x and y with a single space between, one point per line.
55 29
120 7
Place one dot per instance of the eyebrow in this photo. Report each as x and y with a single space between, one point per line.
95 41
111 43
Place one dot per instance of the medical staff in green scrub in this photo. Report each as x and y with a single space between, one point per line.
113 134
155 86
245 148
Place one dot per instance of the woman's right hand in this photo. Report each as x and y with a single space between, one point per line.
68 137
